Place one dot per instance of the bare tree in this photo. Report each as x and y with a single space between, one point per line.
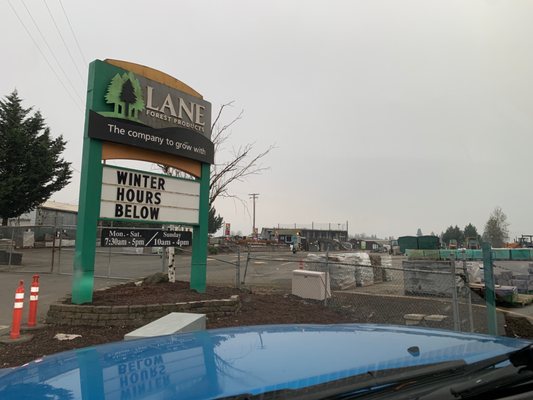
497 228
241 164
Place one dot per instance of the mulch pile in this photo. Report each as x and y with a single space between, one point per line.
162 292
262 306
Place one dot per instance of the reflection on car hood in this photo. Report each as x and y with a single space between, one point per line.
224 362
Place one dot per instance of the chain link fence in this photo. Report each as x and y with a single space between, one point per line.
50 249
371 288
379 288
34 248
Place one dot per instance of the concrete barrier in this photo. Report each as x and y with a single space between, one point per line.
171 323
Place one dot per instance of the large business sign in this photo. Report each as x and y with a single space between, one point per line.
143 113
142 196
135 112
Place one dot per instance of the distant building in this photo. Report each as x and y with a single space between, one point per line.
284 235
50 213
39 227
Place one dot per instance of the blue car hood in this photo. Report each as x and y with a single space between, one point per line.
225 362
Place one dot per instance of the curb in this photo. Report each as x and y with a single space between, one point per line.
4 329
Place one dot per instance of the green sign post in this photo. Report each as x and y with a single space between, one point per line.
200 237
139 113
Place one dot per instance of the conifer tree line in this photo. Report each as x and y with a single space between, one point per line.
496 231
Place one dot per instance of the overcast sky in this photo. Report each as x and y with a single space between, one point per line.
391 115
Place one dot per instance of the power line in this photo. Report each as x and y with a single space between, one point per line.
73 34
51 51
63 40
43 55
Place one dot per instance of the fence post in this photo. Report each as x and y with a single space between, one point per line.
12 246
238 266
455 304
108 261
53 248
246 267
59 255
468 294
327 275
490 297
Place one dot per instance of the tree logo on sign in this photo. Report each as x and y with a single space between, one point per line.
125 93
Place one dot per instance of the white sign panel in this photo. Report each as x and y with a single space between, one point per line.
137 195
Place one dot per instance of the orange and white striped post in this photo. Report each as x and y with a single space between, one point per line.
34 300
17 311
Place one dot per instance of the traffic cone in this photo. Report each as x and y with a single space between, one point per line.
34 300
17 311
301 264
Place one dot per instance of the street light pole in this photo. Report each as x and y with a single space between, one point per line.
253 196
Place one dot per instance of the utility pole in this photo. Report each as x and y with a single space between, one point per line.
253 196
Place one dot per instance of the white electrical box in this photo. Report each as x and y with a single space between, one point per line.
310 284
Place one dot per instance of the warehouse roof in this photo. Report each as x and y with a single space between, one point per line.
54 205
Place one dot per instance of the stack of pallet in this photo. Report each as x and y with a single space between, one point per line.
346 270
522 280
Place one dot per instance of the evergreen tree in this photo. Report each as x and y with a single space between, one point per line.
453 232
471 232
31 166
215 222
